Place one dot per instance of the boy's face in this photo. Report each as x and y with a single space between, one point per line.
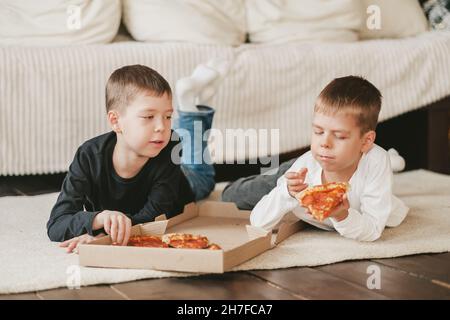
146 124
337 143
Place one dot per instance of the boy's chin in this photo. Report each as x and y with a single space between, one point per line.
151 151
329 166
150 154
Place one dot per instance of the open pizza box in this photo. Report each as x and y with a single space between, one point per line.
222 222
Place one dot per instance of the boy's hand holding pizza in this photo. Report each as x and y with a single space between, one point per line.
341 211
326 200
296 181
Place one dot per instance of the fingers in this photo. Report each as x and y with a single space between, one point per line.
302 173
296 178
121 229
124 230
114 230
72 246
101 234
75 250
298 188
118 226
296 185
345 202
85 239
65 243
127 232
291 175
107 224
295 182
68 243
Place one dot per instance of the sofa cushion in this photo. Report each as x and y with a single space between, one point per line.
438 13
53 97
198 21
399 19
58 22
287 20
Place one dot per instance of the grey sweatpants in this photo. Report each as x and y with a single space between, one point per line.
246 192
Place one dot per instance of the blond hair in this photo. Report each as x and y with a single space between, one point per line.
351 94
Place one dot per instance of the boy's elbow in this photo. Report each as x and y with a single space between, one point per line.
362 237
53 234
259 223
254 222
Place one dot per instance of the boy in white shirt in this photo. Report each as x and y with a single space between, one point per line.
342 150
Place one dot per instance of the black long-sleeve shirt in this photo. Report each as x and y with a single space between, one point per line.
92 185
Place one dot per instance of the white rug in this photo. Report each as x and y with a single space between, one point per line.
30 262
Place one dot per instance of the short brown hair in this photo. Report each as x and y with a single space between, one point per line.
125 83
354 94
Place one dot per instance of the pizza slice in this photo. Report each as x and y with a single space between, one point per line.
186 241
147 241
322 199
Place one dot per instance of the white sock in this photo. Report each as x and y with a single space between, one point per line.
222 66
201 86
397 161
188 88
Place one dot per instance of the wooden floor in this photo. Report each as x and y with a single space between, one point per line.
424 276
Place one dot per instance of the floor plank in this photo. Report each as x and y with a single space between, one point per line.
6 189
20 296
310 283
421 266
445 257
103 292
34 185
394 284
228 286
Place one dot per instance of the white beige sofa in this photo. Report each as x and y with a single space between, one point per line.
52 95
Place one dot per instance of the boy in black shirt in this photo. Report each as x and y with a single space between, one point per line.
131 175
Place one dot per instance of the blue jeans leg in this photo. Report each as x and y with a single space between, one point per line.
193 129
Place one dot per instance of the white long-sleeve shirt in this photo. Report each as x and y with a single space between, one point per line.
372 203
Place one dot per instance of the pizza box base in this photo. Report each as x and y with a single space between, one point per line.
221 222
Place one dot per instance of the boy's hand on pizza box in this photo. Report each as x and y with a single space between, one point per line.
116 224
296 181
341 211
72 244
